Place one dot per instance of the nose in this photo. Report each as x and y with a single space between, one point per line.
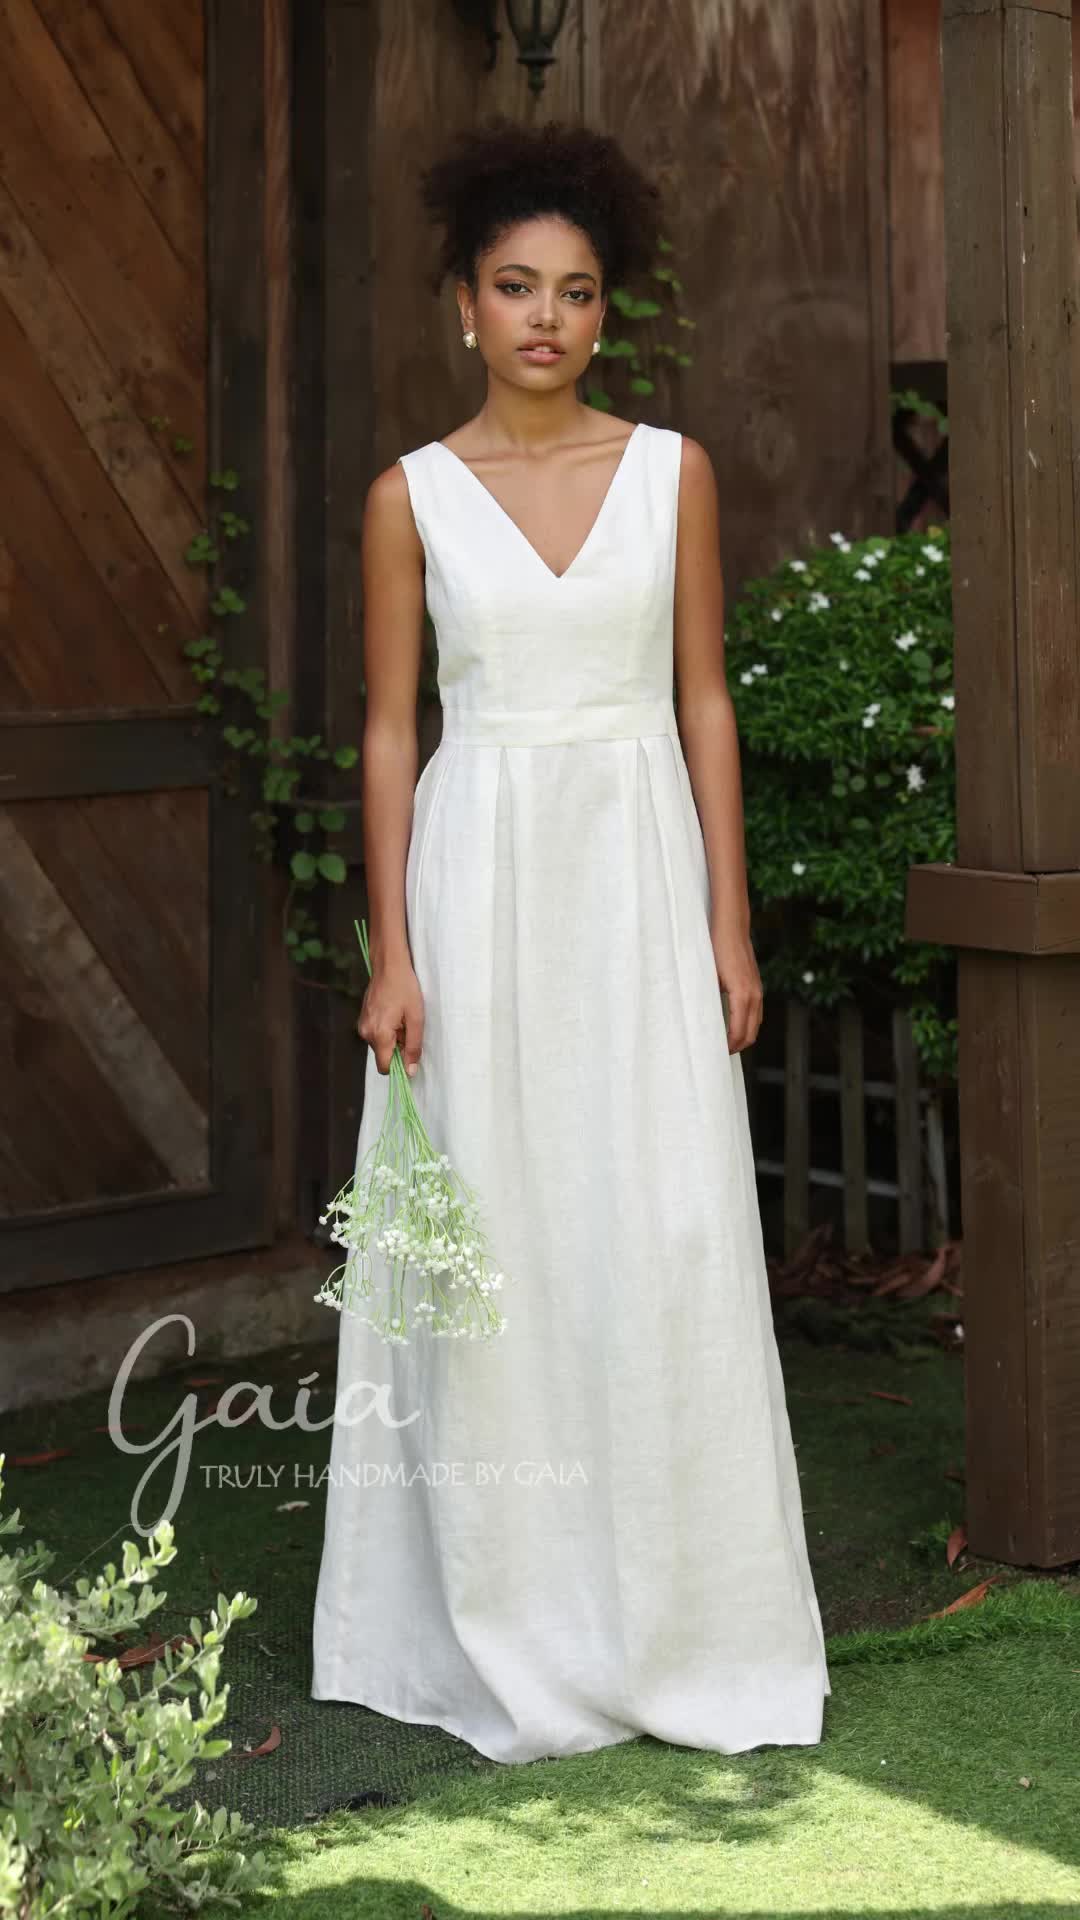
546 313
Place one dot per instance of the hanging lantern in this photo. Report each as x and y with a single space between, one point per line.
535 26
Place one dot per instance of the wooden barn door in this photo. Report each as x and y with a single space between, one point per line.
134 1114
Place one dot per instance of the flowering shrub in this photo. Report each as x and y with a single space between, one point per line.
85 1827
840 669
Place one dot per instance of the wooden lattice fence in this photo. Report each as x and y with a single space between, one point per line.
918 1189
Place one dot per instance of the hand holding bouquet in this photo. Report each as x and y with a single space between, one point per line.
406 1198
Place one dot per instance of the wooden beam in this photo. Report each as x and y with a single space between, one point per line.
42 757
1014 395
1028 913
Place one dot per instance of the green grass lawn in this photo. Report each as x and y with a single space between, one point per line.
913 1803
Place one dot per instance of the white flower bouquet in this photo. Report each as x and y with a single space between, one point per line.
406 1199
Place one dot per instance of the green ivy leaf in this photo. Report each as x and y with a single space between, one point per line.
303 865
332 867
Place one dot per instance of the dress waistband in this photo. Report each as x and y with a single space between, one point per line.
549 726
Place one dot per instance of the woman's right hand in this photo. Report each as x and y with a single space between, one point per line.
392 1014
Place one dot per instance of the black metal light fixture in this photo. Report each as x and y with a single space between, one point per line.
535 25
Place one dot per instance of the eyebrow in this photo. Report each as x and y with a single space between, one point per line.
518 267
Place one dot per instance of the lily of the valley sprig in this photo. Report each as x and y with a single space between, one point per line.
406 1200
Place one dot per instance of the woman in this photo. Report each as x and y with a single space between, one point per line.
589 1527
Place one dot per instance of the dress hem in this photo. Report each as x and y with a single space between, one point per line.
597 1746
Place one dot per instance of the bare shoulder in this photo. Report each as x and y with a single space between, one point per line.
388 505
388 493
696 473
698 506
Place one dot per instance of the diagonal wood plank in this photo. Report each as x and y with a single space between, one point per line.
50 1156
105 856
135 336
145 145
97 518
40 668
163 41
163 491
54 948
57 125
85 616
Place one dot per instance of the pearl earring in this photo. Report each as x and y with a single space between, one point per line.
469 338
596 345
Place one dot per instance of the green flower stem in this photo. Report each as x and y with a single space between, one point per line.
405 1197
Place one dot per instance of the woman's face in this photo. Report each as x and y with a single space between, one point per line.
538 288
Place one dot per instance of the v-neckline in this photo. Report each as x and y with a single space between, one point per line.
509 518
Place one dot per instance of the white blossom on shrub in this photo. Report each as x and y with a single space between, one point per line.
858 688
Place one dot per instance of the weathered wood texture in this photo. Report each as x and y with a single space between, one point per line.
916 179
131 1092
763 125
1014 418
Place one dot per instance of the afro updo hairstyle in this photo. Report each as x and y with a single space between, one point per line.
489 178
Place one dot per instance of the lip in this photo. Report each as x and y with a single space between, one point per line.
541 351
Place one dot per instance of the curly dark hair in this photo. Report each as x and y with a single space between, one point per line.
490 177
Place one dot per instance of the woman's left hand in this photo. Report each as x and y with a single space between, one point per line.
737 973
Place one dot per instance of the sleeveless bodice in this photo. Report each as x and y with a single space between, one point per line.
525 655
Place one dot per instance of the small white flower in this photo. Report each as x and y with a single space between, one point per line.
747 678
844 547
919 571
797 566
818 601
862 574
843 666
868 720
874 707
760 667
777 613
932 552
948 700
838 539
906 640
808 976
915 778
798 866
871 559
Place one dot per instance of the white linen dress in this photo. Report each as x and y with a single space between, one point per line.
593 1528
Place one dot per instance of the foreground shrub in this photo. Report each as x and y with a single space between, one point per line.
85 1765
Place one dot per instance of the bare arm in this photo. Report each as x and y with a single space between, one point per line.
710 739
392 563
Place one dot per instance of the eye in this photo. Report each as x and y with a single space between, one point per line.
580 296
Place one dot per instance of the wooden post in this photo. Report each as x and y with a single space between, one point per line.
1011 905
